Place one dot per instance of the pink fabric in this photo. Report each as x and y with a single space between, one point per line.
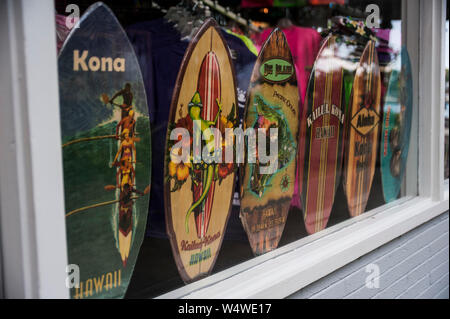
382 33
62 31
304 44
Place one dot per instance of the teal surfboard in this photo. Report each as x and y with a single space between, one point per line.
396 129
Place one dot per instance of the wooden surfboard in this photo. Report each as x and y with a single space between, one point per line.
396 127
198 192
106 153
322 130
362 131
347 54
272 103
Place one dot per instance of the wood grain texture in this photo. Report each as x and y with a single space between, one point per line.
363 129
321 137
206 69
272 102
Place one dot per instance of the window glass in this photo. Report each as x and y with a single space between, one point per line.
334 84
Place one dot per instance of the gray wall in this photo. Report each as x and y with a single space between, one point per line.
415 265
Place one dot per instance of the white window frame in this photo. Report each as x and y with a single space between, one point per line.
32 225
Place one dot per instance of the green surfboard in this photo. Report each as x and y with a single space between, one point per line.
106 154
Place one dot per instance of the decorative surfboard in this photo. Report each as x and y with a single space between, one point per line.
363 129
396 127
346 54
198 185
106 153
267 183
321 136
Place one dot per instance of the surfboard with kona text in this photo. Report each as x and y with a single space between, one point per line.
106 153
199 183
268 176
396 127
321 136
363 129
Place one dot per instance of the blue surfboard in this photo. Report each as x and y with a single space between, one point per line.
106 154
396 129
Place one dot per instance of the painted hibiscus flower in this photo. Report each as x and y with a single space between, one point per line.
180 170
185 122
225 169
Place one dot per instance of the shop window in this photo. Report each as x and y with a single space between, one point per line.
337 84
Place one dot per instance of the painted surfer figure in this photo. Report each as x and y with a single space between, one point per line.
124 162
128 122
127 149
125 174
127 97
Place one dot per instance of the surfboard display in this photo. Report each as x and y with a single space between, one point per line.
106 153
267 182
396 126
363 129
322 132
199 183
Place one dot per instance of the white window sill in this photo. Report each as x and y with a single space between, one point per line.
288 269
